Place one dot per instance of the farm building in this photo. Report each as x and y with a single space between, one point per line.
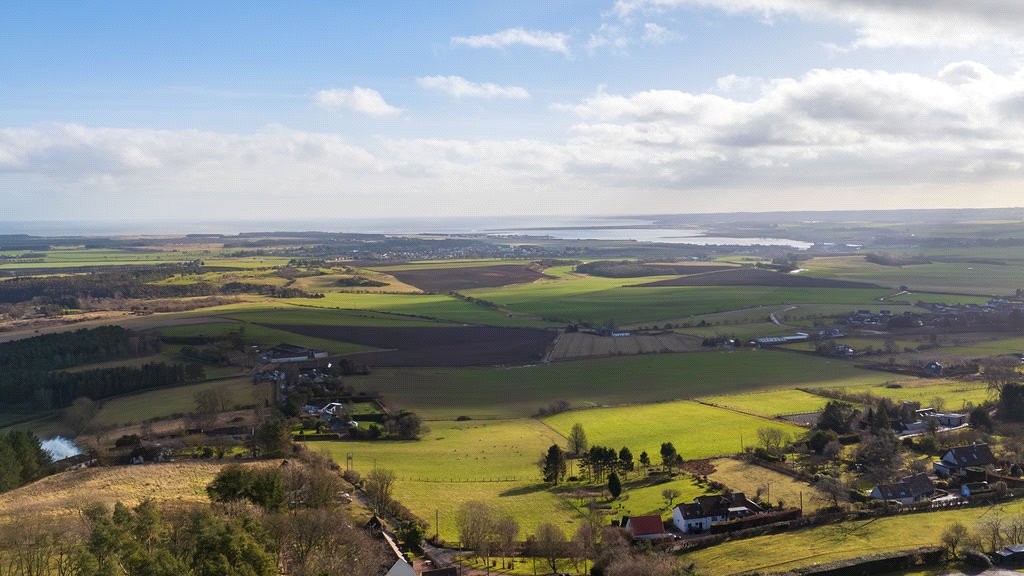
907 491
1010 556
283 353
777 340
974 488
955 461
645 527
707 510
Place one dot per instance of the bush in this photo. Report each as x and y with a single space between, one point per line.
977 559
351 476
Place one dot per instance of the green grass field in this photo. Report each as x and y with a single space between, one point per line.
596 300
456 462
959 277
263 336
696 430
955 394
790 550
774 403
135 408
446 393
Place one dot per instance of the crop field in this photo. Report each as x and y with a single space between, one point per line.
953 277
439 264
755 277
456 462
581 345
748 478
443 280
62 495
441 346
446 393
438 306
790 550
329 283
696 430
992 347
142 406
770 404
586 301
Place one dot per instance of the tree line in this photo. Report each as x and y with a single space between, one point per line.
70 349
22 459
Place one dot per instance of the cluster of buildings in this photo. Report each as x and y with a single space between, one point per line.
695 517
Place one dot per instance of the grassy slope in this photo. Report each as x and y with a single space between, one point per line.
431 472
775 403
135 408
780 552
744 477
445 393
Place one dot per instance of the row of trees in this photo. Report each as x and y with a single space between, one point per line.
38 391
70 349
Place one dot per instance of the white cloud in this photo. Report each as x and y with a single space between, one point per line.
362 100
459 87
655 34
879 23
555 42
831 138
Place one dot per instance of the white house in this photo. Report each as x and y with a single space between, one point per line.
698 517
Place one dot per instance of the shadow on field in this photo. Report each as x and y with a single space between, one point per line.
524 490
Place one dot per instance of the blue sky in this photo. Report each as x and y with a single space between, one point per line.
222 111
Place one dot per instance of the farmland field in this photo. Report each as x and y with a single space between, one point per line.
696 430
955 394
446 393
586 301
774 403
954 277
134 408
754 277
450 279
790 550
461 461
580 345
441 346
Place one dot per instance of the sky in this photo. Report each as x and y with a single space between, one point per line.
194 111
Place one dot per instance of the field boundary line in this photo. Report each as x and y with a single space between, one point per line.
775 419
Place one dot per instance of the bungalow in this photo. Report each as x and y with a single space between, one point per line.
907 491
645 527
707 510
955 461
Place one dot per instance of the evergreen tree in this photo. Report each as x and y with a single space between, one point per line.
614 485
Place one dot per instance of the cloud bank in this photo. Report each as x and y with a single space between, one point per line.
554 42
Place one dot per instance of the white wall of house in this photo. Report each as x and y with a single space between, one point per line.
691 526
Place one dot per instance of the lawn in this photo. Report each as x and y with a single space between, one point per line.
446 393
135 408
741 476
774 403
455 462
696 430
789 550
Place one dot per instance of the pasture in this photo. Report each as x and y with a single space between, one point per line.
981 277
955 394
593 301
446 393
696 430
790 550
455 462
166 402
770 404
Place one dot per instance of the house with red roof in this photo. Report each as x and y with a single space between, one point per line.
646 527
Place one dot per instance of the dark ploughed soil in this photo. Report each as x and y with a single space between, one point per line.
755 277
441 346
443 280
